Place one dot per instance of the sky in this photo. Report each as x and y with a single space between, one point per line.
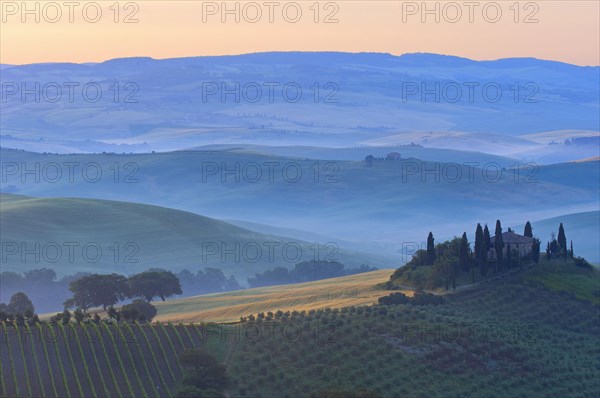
94 31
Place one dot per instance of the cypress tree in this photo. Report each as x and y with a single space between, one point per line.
535 250
477 251
498 245
571 253
485 248
478 244
562 241
430 249
464 253
528 230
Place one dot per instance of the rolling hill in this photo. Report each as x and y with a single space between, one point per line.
507 338
340 292
390 202
86 235
346 100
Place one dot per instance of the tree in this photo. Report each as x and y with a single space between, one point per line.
499 246
79 315
446 264
528 230
535 250
65 317
393 299
203 371
562 242
97 290
430 249
478 244
150 284
139 310
20 304
40 276
464 253
487 245
369 160
553 246
113 313
571 253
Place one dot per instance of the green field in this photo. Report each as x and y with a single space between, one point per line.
134 237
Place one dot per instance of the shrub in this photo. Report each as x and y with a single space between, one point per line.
139 310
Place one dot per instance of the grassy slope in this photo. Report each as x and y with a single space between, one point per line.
511 337
526 334
229 307
165 237
381 199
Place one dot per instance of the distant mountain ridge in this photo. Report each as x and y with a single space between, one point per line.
347 99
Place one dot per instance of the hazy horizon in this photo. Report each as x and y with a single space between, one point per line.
301 52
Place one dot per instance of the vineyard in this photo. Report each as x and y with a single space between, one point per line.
511 337
93 360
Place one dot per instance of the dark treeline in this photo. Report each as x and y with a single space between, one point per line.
305 271
41 285
49 292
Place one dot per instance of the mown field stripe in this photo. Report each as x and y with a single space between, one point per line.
129 386
83 359
178 335
108 363
60 364
159 342
133 364
12 364
189 335
2 386
35 358
50 373
24 362
160 375
98 368
75 374
164 330
137 343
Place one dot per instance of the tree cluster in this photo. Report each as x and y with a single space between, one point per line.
451 258
305 271
203 375
106 290
419 298
557 246
211 280
19 308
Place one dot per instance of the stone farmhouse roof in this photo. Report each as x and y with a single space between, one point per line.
512 238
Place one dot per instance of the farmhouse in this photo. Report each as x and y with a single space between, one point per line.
393 156
523 244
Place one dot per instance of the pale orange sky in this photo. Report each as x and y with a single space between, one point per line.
567 31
